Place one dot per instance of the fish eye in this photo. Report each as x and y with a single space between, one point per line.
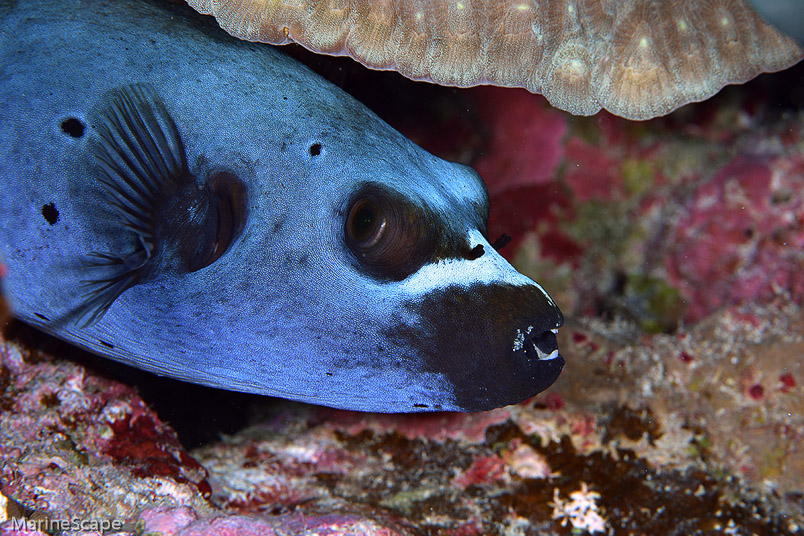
388 235
366 223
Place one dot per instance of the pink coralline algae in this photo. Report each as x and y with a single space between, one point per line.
79 450
592 171
524 139
75 444
524 148
486 469
741 238
237 525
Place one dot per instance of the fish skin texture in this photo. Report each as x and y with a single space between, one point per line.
290 308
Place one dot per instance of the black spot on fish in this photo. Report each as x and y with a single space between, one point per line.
420 405
476 252
72 127
50 213
303 260
43 317
106 344
315 149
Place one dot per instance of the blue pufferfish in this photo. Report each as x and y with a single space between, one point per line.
211 210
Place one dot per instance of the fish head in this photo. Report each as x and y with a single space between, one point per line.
409 305
328 260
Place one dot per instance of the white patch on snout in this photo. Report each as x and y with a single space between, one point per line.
487 269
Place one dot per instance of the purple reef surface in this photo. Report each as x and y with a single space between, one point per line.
675 248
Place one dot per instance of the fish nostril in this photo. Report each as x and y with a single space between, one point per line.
476 252
502 241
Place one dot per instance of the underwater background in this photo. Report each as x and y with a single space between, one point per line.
675 249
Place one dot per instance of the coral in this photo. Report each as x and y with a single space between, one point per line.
636 59
726 389
671 434
580 511
660 449
75 444
82 453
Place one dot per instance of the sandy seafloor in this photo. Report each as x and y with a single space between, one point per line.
675 248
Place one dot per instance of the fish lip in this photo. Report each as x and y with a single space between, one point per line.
536 354
537 345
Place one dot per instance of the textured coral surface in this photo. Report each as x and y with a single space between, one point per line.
675 250
637 59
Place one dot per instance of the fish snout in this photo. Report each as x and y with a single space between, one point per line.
495 343
517 354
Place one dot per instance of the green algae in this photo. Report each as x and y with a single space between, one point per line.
658 307
638 176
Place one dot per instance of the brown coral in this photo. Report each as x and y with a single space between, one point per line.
635 58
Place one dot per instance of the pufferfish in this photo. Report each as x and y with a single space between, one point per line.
210 210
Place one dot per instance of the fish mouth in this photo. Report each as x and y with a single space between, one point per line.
535 359
537 346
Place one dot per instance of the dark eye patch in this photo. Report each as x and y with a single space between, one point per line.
389 236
